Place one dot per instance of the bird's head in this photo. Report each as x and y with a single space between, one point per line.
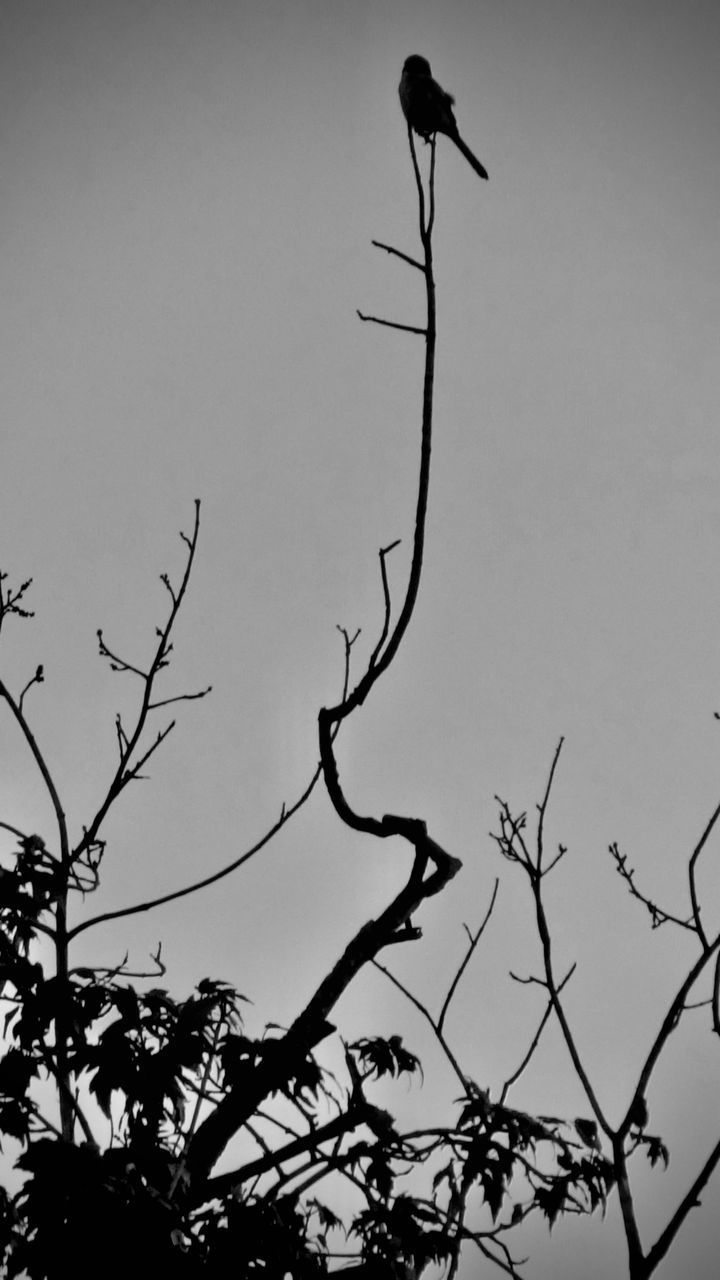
416 66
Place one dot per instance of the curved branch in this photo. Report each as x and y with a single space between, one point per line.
137 908
312 1023
39 759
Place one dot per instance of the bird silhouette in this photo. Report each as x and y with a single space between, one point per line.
428 109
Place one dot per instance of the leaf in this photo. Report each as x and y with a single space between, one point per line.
587 1131
221 992
15 1120
125 1000
114 1068
550 1201
328 1220
382 1057
656 1150
477 1108
446 1175
379 1173
17 1069
306 1083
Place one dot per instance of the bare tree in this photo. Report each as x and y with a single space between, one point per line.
623 1142
181 1084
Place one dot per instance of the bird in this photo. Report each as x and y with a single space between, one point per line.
428 109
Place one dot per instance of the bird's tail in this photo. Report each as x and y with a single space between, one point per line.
471 159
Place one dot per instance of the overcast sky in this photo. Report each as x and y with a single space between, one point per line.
188 195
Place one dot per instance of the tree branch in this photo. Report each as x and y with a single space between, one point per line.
391 324
397 253
123 771
689 1201
474 939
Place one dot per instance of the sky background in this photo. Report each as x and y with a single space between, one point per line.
188 196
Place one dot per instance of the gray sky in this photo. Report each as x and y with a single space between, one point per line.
188 196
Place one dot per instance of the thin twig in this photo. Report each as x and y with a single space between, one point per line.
383 553
534 870
180 697
691 874
391 324
658 915
474 939
117 663
397 253
421 1008
512 1079
542 810
36 679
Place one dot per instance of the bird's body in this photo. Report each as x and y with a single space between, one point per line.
428 109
